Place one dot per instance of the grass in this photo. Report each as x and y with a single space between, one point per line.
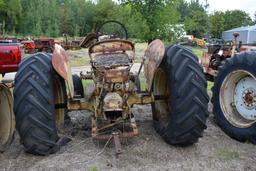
142 82
209 85
79 62
198 52
93 168
79 57
139 51
228 154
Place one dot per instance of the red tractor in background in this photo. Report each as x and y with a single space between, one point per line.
47 45
29 46
10 57
232 68
44 44
219 52
38 45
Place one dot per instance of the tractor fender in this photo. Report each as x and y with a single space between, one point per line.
153 57
61 64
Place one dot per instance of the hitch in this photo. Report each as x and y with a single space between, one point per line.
117 142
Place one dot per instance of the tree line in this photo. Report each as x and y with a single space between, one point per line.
144 19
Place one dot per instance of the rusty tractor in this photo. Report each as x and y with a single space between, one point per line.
10 57
29 46
44 45
176 89
70 44
232 68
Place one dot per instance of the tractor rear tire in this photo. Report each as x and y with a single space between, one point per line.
180 108
35 95
234 97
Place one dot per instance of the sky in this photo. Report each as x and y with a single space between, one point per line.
248 6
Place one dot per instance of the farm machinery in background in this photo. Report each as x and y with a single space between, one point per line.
191 40
45 90
10 57
32 46
47 45
232 68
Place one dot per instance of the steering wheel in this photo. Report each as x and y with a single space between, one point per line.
113 29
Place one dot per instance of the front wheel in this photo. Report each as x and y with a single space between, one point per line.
180 97
234 97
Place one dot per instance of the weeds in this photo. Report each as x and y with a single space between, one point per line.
228 154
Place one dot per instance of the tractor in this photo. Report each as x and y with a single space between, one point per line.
44 45
70 44
232 68
29 46
10 57
176 89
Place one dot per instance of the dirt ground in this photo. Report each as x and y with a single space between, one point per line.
215 151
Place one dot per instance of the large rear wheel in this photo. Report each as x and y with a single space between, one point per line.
39 104
234 97
181 100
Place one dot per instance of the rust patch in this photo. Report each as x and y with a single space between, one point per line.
116 76
113 102
205 62
153 58
121 135
110 46
87 41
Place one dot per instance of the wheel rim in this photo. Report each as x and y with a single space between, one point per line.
60 98
238 98
7 121
161 104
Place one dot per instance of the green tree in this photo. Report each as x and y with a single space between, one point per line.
183 8
104 10
196 19
133 21
10 12
158 14
217 21
236 18
65 18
